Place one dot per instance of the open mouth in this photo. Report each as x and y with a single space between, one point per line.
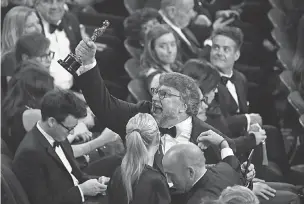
156 109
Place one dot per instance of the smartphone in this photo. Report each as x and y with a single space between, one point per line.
248 162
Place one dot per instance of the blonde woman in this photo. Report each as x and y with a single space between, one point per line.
161 54
18 21
136 181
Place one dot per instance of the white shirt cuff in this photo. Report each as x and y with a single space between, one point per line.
225 152
248 121
86 68
81 193
208 42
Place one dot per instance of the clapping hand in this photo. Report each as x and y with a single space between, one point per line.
207 138
86 51
81 132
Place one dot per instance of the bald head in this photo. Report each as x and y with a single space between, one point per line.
185 154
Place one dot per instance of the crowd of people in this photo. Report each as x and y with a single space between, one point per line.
210 132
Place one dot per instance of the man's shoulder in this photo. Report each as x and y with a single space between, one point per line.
239 76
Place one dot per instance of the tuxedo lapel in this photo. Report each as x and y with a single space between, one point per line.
239 87
191 37
227 103
68 29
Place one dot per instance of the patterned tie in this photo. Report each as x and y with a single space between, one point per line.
169 131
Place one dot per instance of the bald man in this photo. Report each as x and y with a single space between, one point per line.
184 165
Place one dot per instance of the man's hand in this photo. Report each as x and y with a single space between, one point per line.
255 118
226 13
81 132
205 139
202 20
92 187
86 50
259 137
104 180
251 171
263 190
220 23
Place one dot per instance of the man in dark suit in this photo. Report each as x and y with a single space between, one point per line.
44 162
232 95
185 167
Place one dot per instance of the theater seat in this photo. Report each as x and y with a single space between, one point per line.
283 39
301 120
285 57
5 150
277 4
133 51
138 91
277 18
287 80
11 187
132 67
7 161
297 102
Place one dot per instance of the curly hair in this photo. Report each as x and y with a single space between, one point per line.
233 33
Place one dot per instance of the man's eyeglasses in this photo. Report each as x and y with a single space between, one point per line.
205 99
69 129
49 55
162 94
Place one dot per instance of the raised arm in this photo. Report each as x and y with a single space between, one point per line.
110 111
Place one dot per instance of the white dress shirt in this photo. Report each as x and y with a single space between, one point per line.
231 88
62 157
60 44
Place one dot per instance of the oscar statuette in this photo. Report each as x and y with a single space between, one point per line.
72 62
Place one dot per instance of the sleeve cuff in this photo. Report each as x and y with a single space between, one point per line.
208 42
248 121
86 68
225 152
81 193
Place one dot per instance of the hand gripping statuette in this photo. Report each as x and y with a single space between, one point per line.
72 62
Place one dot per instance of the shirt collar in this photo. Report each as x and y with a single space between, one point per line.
226 75
168 21
184 126
48 137
199 178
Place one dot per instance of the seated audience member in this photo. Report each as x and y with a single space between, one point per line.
44 162
161 54
185 167
19 20
21 110
238 194
138 24
26 89
232 98
35 47
208 79
136 181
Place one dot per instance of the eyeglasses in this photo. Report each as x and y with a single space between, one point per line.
161 93
69 129
49 55
205 99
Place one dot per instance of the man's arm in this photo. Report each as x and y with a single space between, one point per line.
110 111
31 175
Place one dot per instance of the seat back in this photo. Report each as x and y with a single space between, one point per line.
7 161
133 51
287 80
296 101
12 189
5 150
132 67
138 91
301 120
277 18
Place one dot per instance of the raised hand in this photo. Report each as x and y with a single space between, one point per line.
86 51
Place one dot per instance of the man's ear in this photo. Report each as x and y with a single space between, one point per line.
184 109
191 172
51 121
24 57
237 55
171 10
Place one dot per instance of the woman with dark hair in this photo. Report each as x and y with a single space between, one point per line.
26 88
136 181
161 54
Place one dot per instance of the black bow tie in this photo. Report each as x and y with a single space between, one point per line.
169 131
56 144
54 27
224 79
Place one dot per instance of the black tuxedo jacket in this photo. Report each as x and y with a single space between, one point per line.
115 114
70 26
43 175
237 120
216 179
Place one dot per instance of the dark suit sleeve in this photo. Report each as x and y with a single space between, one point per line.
237 123
31 175
245 143
110 111
233 162
155 192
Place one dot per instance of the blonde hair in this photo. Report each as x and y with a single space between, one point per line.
13 27
238 194
142 133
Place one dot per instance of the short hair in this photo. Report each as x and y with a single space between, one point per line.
204 73
238 194
33 45
61 103
133 23
166 3
13 27
233 33
186 86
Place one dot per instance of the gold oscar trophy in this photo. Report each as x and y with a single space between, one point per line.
72 62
